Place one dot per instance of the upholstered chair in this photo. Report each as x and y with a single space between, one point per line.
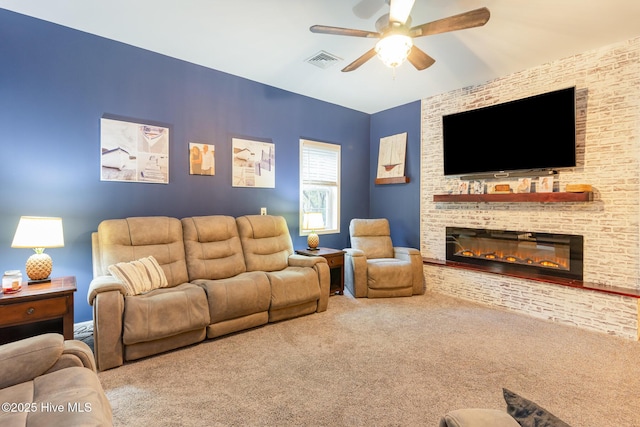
46 370
374 268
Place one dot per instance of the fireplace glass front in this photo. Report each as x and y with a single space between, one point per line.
518 252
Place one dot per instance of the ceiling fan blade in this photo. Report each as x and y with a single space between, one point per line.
473 18
365 9
358 62
338 31
419 59
399 10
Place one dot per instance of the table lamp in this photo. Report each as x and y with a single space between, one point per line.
312 221
38 233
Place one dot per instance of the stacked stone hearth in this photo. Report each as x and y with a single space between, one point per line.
607 82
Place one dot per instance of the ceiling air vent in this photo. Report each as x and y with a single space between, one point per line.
323 59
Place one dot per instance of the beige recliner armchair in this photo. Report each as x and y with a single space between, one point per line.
374 268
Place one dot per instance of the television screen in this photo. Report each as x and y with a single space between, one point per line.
534 133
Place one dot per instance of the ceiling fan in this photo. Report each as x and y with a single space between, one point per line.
396 34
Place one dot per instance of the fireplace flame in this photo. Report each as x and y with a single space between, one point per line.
514 259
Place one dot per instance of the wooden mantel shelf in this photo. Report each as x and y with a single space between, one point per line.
516 197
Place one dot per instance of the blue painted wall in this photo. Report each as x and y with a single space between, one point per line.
56 84
399 203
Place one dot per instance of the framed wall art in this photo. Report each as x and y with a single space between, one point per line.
133 152
253 163
202 159
391 159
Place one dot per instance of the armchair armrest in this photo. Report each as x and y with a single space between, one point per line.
75 353
405 252
415 258
29 358
355 272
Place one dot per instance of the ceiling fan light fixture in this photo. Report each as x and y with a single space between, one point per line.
394 49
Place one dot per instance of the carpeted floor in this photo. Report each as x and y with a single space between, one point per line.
382 362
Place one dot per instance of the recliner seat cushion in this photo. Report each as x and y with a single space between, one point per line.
293 286
242 295
164 312
388 273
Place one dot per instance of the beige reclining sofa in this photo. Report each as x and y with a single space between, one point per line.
47 381
223 275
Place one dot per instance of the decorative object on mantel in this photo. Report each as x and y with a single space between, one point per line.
500 188
545 184
579 188
391 159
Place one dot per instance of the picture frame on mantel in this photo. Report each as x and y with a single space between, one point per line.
391 160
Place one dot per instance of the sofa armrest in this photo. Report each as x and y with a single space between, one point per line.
296 260
320 265
478 417
108 310
104 284
355 272
413 255
29 358
75 353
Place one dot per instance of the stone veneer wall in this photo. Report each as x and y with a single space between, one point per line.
607 82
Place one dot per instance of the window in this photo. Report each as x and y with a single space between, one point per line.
320 184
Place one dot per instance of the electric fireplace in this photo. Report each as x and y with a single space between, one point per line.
519 252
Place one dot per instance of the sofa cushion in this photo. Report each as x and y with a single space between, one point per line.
140 276
293 286
266 242
388 273
124 240
163 313
212 246
242 295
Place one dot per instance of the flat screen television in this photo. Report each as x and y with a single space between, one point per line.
530 134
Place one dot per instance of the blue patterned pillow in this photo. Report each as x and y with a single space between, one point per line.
528 413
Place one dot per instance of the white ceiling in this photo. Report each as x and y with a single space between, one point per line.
268 41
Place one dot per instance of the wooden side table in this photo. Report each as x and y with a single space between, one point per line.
38 309
335 259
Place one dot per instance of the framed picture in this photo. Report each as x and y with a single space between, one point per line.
545 184
524 185
254 163
133 152
202 159
391 156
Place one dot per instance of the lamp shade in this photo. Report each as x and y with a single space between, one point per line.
38 232
312 221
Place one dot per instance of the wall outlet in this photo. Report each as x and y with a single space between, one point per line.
263 211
